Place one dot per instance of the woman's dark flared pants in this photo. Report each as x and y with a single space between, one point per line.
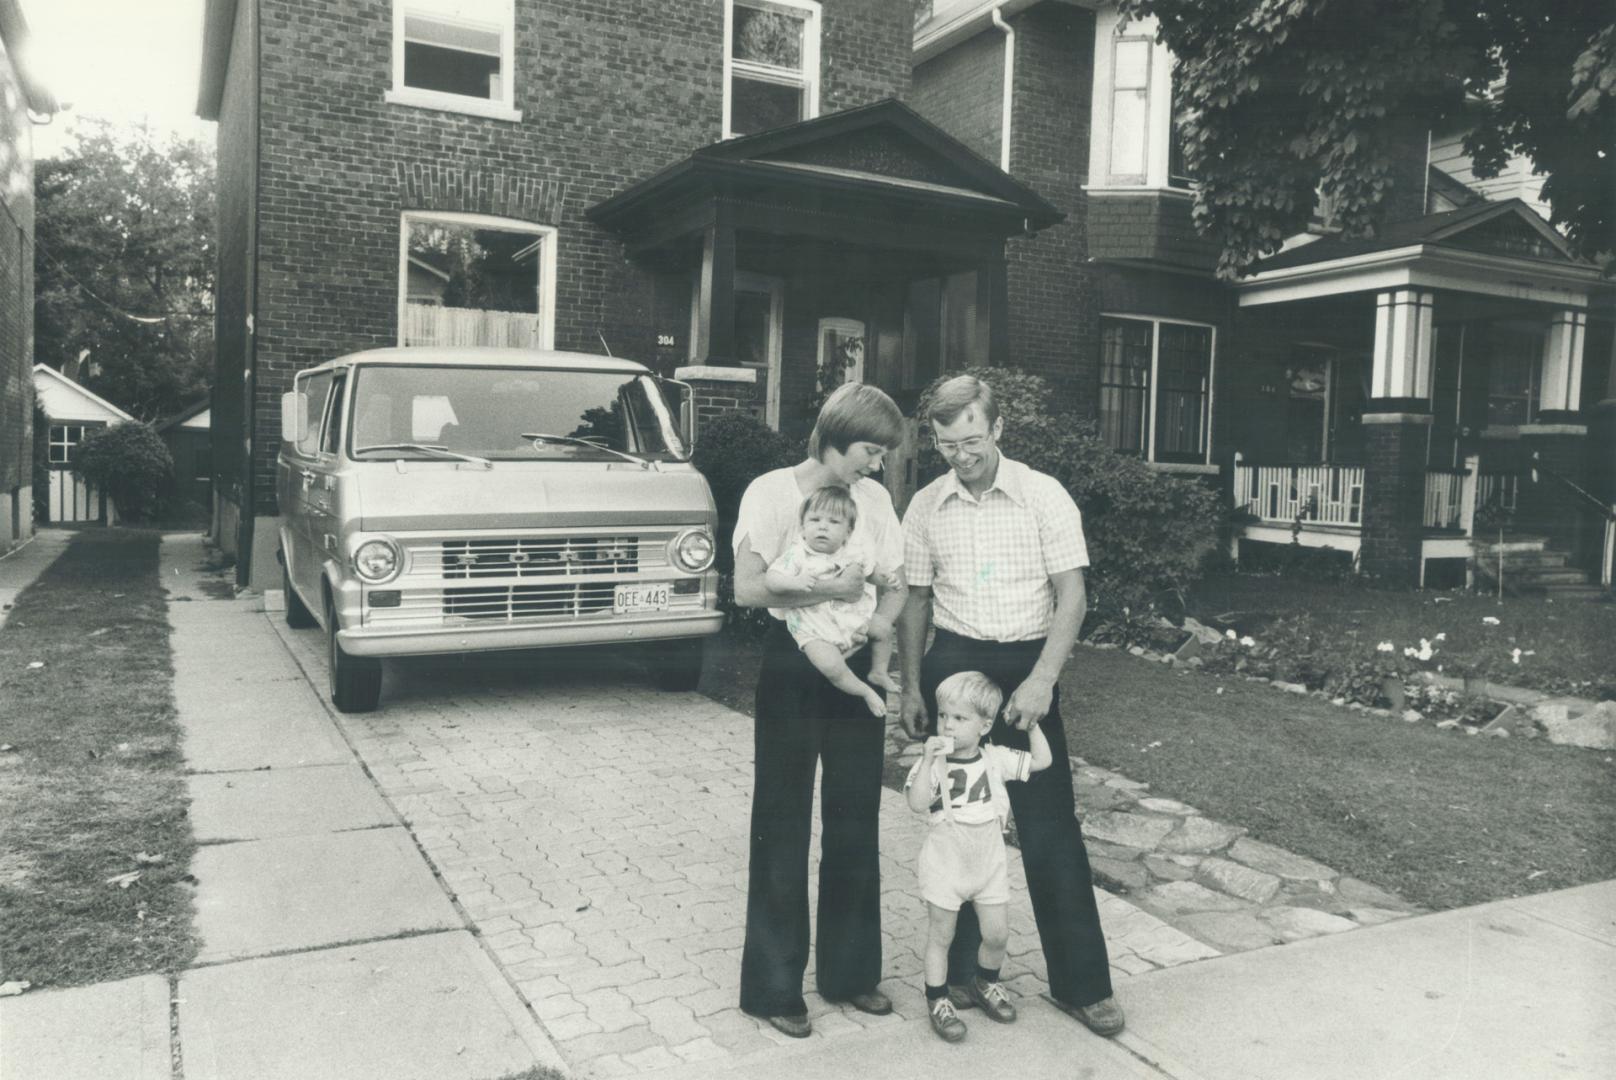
1057 865
802 721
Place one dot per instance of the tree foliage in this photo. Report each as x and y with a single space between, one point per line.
131 463
124 227
1277 98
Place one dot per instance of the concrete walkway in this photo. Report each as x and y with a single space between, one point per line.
22 565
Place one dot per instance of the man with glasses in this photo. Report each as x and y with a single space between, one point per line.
994 555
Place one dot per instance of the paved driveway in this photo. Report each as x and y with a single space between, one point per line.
593 829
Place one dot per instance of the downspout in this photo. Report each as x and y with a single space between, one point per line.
1009 83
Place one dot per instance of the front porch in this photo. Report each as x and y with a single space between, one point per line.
1408 398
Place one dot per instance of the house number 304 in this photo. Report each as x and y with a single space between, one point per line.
664 341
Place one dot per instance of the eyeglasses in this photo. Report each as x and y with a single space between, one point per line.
974 445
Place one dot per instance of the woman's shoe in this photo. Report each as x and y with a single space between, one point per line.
796 1026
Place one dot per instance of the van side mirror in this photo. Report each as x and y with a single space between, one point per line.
684 395
294 417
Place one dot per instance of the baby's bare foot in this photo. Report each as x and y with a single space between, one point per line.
883 679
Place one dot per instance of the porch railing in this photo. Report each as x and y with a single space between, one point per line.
1318 494
1333 495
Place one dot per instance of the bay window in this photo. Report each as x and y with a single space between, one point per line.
1156 388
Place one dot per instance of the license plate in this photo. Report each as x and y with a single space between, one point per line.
635 599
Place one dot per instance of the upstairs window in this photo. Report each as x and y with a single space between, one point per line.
771 64
1137 140
457 55
1156 389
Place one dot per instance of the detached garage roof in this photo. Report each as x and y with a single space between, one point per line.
66 402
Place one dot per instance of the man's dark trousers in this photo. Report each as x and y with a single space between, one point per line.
1057 865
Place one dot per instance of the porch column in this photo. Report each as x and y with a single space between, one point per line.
715 314
1397 434
1557 436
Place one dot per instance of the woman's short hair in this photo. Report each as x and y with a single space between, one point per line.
855 412
974 689
958 394
830 500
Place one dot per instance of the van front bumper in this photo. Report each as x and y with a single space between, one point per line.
365 641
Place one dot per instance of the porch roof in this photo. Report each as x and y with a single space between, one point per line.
1493 248
879 175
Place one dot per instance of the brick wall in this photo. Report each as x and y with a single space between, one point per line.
962 92
611 91
1394 499
16 313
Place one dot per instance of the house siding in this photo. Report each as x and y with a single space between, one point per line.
16 313
610 93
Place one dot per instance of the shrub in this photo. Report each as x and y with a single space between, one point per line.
130 463
1150 534
732 450
41 477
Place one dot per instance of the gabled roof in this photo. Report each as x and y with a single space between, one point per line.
1502 228
14 32
65 401
885 150
198 406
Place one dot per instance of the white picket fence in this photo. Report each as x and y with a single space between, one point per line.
430 324
1333 495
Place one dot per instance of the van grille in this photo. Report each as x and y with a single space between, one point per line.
535 557
507 602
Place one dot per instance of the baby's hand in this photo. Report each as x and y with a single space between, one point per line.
882 580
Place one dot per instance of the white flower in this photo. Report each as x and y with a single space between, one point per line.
1514 656
1441 637
1249 642
1489 620
1230 634
1425 650
1385 646
1410 651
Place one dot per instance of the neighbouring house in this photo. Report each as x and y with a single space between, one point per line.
188 435
1374 396
727 190
24 99
72 411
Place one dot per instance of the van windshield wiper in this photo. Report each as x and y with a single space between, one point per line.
571 440
429 448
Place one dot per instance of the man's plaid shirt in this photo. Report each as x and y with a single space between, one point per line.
989 561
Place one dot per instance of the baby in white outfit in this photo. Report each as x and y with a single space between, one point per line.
829 631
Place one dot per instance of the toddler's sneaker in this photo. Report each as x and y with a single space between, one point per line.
992 998
946 1022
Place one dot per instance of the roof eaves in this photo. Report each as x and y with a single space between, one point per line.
80 389
218 28
14 31
961 22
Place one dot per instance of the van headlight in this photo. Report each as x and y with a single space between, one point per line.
376 561
692 550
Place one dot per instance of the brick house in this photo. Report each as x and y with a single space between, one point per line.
1377 392
23 97
727 190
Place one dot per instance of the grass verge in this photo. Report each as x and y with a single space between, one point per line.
93 788
1440 818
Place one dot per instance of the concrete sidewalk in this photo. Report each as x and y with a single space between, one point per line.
23 564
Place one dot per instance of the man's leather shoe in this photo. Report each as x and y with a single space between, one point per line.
873 1002
797 1026
1104 1017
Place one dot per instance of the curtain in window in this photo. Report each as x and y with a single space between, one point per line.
1124 382
1184 370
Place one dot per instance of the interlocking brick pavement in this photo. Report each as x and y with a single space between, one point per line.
594 830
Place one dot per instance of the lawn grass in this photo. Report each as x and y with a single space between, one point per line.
1568 647
93 786
1441 818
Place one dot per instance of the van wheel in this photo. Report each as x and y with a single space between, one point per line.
676 665
298 615
356 681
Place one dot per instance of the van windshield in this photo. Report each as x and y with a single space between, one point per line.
486 411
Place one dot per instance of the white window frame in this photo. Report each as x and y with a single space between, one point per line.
67 444
1109 30
546 235
502 108
809 81
1156 322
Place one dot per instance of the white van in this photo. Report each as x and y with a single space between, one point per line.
438 500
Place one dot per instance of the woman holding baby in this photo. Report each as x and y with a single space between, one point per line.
830 571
